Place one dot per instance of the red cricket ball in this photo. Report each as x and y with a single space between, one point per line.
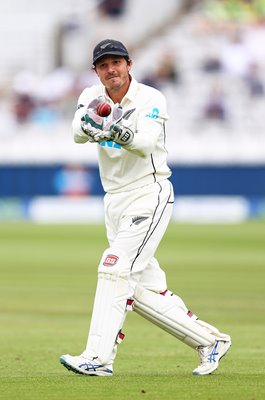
103 109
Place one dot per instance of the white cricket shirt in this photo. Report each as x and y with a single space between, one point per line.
142 162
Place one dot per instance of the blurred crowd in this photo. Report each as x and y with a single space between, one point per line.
241 57
45 100
235 62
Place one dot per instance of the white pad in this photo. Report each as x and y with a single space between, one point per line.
109 309
213 330
170 313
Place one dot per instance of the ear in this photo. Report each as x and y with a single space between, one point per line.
129 63
94 69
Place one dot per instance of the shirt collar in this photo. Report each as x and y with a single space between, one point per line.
132 90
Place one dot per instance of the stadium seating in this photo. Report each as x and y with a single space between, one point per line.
192 137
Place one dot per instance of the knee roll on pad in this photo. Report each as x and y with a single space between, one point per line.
167 313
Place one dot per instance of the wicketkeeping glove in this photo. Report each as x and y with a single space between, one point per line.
114 130
91 122
120 134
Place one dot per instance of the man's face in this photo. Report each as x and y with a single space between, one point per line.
113 72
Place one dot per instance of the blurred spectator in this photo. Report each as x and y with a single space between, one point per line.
56 85
24 96
112 8
47 100
54 93
215 108
111 21
73 180
165 74
23 107
254 81
25 82
234 55
255 41
44 100
212 64
45 113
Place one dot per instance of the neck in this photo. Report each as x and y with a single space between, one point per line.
117 95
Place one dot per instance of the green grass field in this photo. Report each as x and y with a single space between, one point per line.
47 283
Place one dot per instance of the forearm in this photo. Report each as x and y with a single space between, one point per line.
141 145
145 139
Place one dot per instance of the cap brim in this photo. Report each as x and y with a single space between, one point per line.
110 53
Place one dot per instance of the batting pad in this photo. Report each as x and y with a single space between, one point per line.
168 313
109 308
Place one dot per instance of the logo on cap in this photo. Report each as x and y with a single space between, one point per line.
109 46
103 46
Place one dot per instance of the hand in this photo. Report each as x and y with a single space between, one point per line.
114 130
120 134
91 118
91 122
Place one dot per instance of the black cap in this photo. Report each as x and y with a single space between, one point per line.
109 47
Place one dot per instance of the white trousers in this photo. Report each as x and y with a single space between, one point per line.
136 222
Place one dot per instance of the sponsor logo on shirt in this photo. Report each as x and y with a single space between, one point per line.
110 260
110 144
153 114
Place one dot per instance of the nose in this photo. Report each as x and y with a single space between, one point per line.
110 68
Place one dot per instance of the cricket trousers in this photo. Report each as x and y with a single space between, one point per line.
128 271
136 222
